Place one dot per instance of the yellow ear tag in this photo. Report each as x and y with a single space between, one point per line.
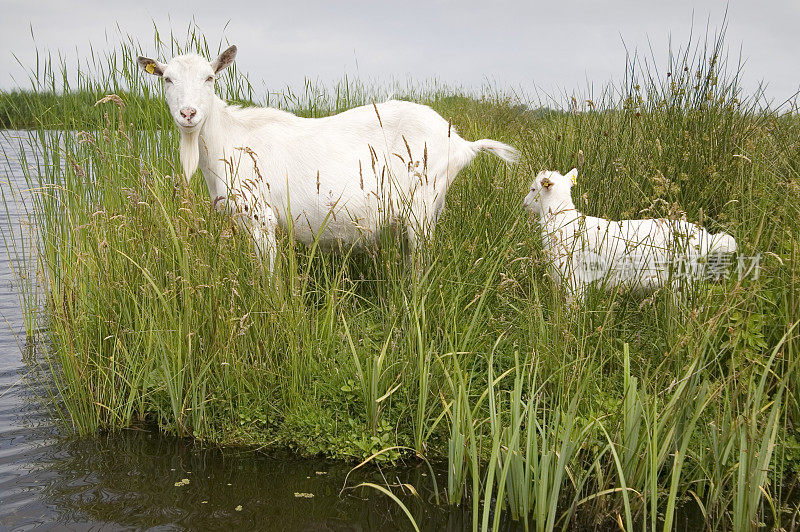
151 68
574 180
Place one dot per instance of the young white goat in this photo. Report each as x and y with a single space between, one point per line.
340 179
635 253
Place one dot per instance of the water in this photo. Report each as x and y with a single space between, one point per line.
127 480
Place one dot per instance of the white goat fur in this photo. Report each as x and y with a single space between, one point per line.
340 178
635 253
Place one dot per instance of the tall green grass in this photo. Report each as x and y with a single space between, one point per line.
622 410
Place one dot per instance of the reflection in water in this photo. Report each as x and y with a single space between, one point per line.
130 478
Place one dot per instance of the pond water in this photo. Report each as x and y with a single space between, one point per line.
128 479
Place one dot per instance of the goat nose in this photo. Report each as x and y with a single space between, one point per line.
188 112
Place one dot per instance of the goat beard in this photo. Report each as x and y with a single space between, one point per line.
190 153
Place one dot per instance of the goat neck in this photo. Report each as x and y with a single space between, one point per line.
208 148
559 213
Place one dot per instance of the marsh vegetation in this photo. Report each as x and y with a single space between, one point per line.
615 411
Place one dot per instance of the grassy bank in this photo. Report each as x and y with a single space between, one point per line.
615 411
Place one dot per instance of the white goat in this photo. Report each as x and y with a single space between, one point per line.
339 179
641 254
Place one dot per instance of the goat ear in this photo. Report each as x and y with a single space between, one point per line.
151 66
573 176
224 60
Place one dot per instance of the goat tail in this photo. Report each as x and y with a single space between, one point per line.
508 153
723 243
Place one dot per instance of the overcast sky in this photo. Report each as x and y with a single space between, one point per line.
553 47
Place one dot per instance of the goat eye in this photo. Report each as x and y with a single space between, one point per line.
167 80
210 78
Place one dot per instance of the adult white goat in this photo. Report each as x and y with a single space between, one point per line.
642 254
341 178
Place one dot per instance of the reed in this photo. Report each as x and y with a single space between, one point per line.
624 410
